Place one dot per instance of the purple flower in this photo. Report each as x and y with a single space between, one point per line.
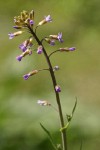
26 76
19 58
57 88
23 47
72 48
31 22
60 37
48 18
67 49
45 20
17 27
40 49
11 35
50 41
27 43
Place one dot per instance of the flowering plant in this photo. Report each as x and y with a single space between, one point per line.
25 22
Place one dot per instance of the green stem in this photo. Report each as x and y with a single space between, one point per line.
63 133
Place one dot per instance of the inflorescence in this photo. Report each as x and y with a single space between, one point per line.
25 22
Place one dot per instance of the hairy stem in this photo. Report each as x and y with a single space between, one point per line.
63 133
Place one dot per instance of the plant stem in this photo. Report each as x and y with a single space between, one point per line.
63 133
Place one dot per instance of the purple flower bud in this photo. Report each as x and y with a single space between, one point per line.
57 37
60 37
72 48
23 47
67 49
19 58
31 22
57 88
40 49
11 35
50 41
48 18
26 44
45 20
26 76
17 27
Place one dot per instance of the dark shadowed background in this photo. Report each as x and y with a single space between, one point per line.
79 76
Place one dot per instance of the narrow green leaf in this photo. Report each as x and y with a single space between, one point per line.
49 135
69 117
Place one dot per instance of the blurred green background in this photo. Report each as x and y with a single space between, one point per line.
79 76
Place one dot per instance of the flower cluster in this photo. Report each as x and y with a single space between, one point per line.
22 21
26 21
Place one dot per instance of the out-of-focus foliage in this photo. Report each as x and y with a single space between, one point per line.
79 75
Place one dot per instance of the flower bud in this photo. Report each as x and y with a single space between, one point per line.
27 21
72 48
33 72
45 20
27 43
19 58
27 52
57 37
40 49
12 35
67 49
17 27
53 37
50 41
24 45
18 33
31 15
17 22
31 22
24 15
57 88
26 76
